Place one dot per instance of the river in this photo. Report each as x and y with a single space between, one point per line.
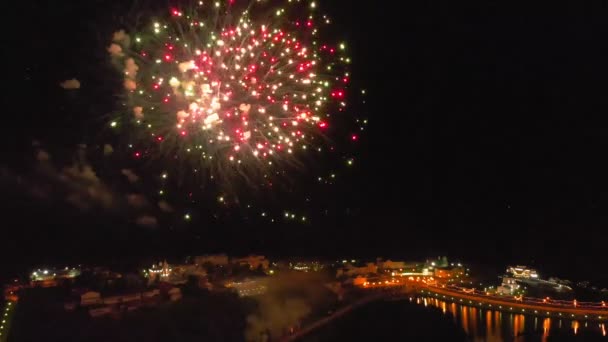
430 319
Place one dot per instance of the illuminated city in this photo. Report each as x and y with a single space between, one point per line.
349 282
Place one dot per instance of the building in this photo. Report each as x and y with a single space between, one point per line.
174 274
181 273
439 262
10 292
94 298
522 272
249 287
160 271
253 261
98 312
392 265
213 259
449 272
70 306
52 277
117 304
306 266
123 298
150 294
350 270
90 298
359 281
508 287
415 271
175 294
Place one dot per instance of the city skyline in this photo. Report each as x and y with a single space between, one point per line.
485 141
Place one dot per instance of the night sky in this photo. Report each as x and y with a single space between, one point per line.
486 142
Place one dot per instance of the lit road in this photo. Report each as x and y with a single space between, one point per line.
570 309
5 320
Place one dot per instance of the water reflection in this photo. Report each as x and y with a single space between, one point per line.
519 324
546 328
465 319
489 325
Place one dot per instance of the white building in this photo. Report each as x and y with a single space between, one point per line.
522 272
508 286
162 270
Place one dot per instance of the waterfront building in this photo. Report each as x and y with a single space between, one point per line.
508 287
522 272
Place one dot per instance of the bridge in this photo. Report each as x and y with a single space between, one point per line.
543 307
533 306
374 295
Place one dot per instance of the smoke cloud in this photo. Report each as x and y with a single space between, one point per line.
52 180
43 156
138 112
164 206
289 299
107 149
115 50
147 221
87 190
121 37
136 200
131 68
130 84
131 176
77 183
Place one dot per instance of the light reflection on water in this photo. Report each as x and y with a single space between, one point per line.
489 325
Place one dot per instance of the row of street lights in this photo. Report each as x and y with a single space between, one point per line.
3 321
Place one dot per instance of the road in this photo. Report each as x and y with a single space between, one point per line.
530 306
6 316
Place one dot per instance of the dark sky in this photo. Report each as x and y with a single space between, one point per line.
486 140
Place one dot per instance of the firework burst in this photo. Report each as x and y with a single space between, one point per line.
223 90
